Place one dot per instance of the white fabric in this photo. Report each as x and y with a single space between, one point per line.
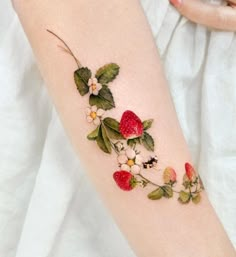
48 208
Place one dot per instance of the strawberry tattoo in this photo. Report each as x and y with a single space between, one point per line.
190 172
125 180
127 137
130 125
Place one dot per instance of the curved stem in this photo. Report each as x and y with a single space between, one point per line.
67 47
147 180
154 184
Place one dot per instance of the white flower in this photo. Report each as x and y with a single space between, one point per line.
94 114
130 161
94 86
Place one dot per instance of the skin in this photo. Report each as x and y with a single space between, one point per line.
222 17
100 32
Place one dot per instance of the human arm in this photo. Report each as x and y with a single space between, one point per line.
117 31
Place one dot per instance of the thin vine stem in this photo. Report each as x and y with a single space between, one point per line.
67 47
154 184
147 180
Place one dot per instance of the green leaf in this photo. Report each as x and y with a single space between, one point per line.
184 197
168 191
81 77
107 73
132 142
113 134
106 139
106 94
196 199
103 100
112 123
147 124
103 141
94 134
156 194
148 141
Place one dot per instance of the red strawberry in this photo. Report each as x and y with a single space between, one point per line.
130 125
125 180
190 172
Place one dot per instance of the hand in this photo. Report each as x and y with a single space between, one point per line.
218 17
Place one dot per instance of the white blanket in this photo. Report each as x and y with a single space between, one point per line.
48 208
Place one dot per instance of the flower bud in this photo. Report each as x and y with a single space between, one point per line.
169 175
190 172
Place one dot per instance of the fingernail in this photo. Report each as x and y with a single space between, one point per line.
176 3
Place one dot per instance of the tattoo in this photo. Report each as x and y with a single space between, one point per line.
127 136
151 163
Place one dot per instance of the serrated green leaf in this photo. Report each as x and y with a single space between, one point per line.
184 197
168 191
147 124
106 94
196 199
103 100
94 134
156 194
107 73
81 77
147 141
102 141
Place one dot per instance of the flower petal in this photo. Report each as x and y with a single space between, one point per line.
90 90
130 153
95 92
95 81
138 159
89 119
96 121
100 112
88 111
135 169
94 108
122 158
125 167
98 86
90 81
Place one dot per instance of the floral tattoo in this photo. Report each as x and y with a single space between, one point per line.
126 137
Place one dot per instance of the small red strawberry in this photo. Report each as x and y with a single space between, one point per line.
130 125
190 172
125 180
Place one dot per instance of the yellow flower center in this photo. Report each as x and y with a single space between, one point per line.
93 115
130 163
94 86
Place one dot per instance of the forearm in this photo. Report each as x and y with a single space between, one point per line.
100 32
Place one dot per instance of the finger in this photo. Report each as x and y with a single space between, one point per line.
232 2
219 17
